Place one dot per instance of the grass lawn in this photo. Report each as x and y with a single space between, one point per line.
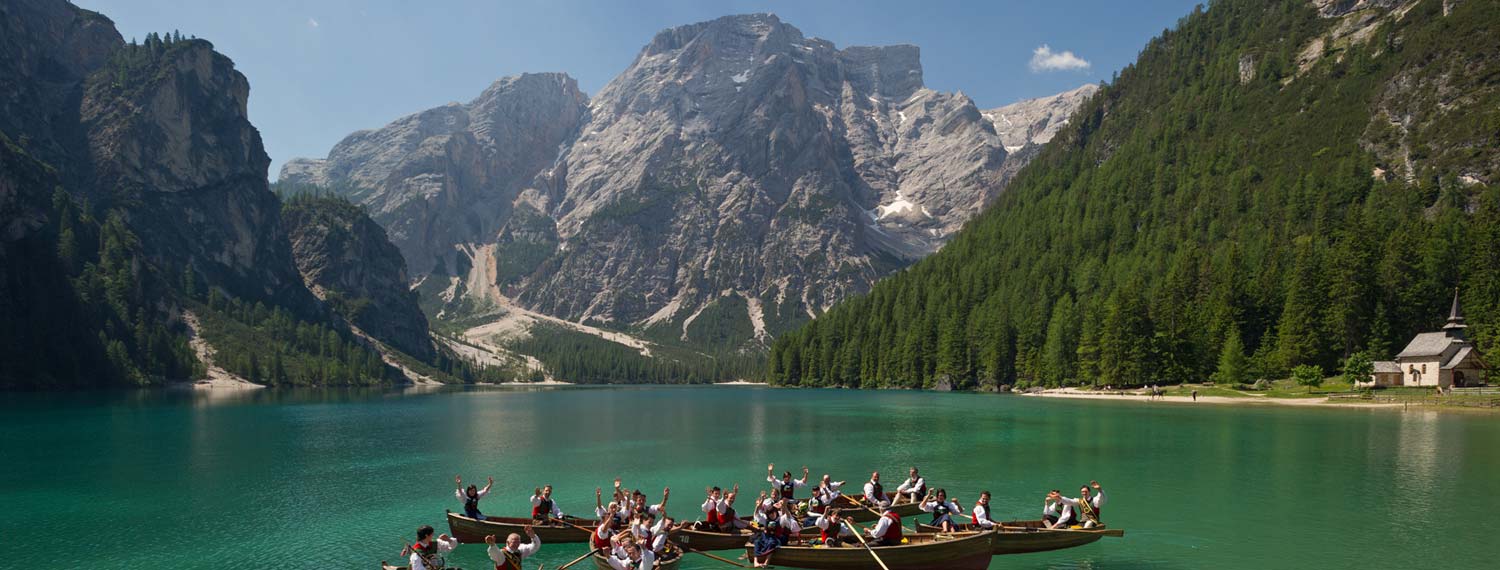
1186 391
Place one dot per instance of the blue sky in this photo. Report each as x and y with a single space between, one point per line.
320 69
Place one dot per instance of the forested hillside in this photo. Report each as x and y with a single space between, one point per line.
1302 181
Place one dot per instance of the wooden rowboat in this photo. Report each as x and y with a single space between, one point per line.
706 540
602 563
1020 537
858 513
470 531
385 566
693 539
965 551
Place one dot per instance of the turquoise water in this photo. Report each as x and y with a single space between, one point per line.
338 479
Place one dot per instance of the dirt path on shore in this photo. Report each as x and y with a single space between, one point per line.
1249 400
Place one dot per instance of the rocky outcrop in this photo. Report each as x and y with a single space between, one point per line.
1036 121
346 260
157 131
449 176
735 163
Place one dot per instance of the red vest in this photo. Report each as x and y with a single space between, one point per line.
599 542
714 518
542 510
512 561
832 532
893 534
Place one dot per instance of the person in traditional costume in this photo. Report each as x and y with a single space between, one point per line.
874 492
729 521
786 485
1056 512
981 512
510 557
829 487
915 487
1087 504
764 543
543 508
634 558
471 496
831 528
887 530
426 553
942 509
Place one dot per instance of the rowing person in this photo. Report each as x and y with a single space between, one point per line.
471 496
874 492
831 528
787 485
634 558
543 508
426 553
981 512
510 557
887 531
913 488
1056 512
942 509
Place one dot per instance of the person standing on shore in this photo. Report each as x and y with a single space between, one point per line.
471 496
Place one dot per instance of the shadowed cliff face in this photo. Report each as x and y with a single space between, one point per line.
157 131
347 261
734 158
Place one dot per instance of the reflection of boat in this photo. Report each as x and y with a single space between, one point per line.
602 563
470 531
1020 537
964 551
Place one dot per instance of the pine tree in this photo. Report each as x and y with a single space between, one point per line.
1233 365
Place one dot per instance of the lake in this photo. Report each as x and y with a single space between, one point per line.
339 478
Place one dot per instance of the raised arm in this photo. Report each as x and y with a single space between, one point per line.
489 482
530 548
803 480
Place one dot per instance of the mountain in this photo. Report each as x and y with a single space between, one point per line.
347 262
1308 180
737 178
141 243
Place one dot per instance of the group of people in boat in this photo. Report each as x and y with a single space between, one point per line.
632 533
1061 512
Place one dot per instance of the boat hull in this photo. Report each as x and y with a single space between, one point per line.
857 513
470 531
602 563
971 551
1022 537
705 540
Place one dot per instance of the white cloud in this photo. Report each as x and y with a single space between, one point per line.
1044 59
312 22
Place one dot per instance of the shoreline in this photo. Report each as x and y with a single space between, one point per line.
1075 393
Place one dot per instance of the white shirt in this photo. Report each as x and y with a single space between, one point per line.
790 523
648 559
711 505
930 506
824 522
912 485
796 483
880 527
536 500
831 490
982 516
1097 500
462 496
870 491
524 550
443 547
1063 509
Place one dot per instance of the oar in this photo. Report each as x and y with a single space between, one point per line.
589 531
867 546
579 558
878 514
715 557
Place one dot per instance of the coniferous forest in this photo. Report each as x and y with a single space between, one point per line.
1233 197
